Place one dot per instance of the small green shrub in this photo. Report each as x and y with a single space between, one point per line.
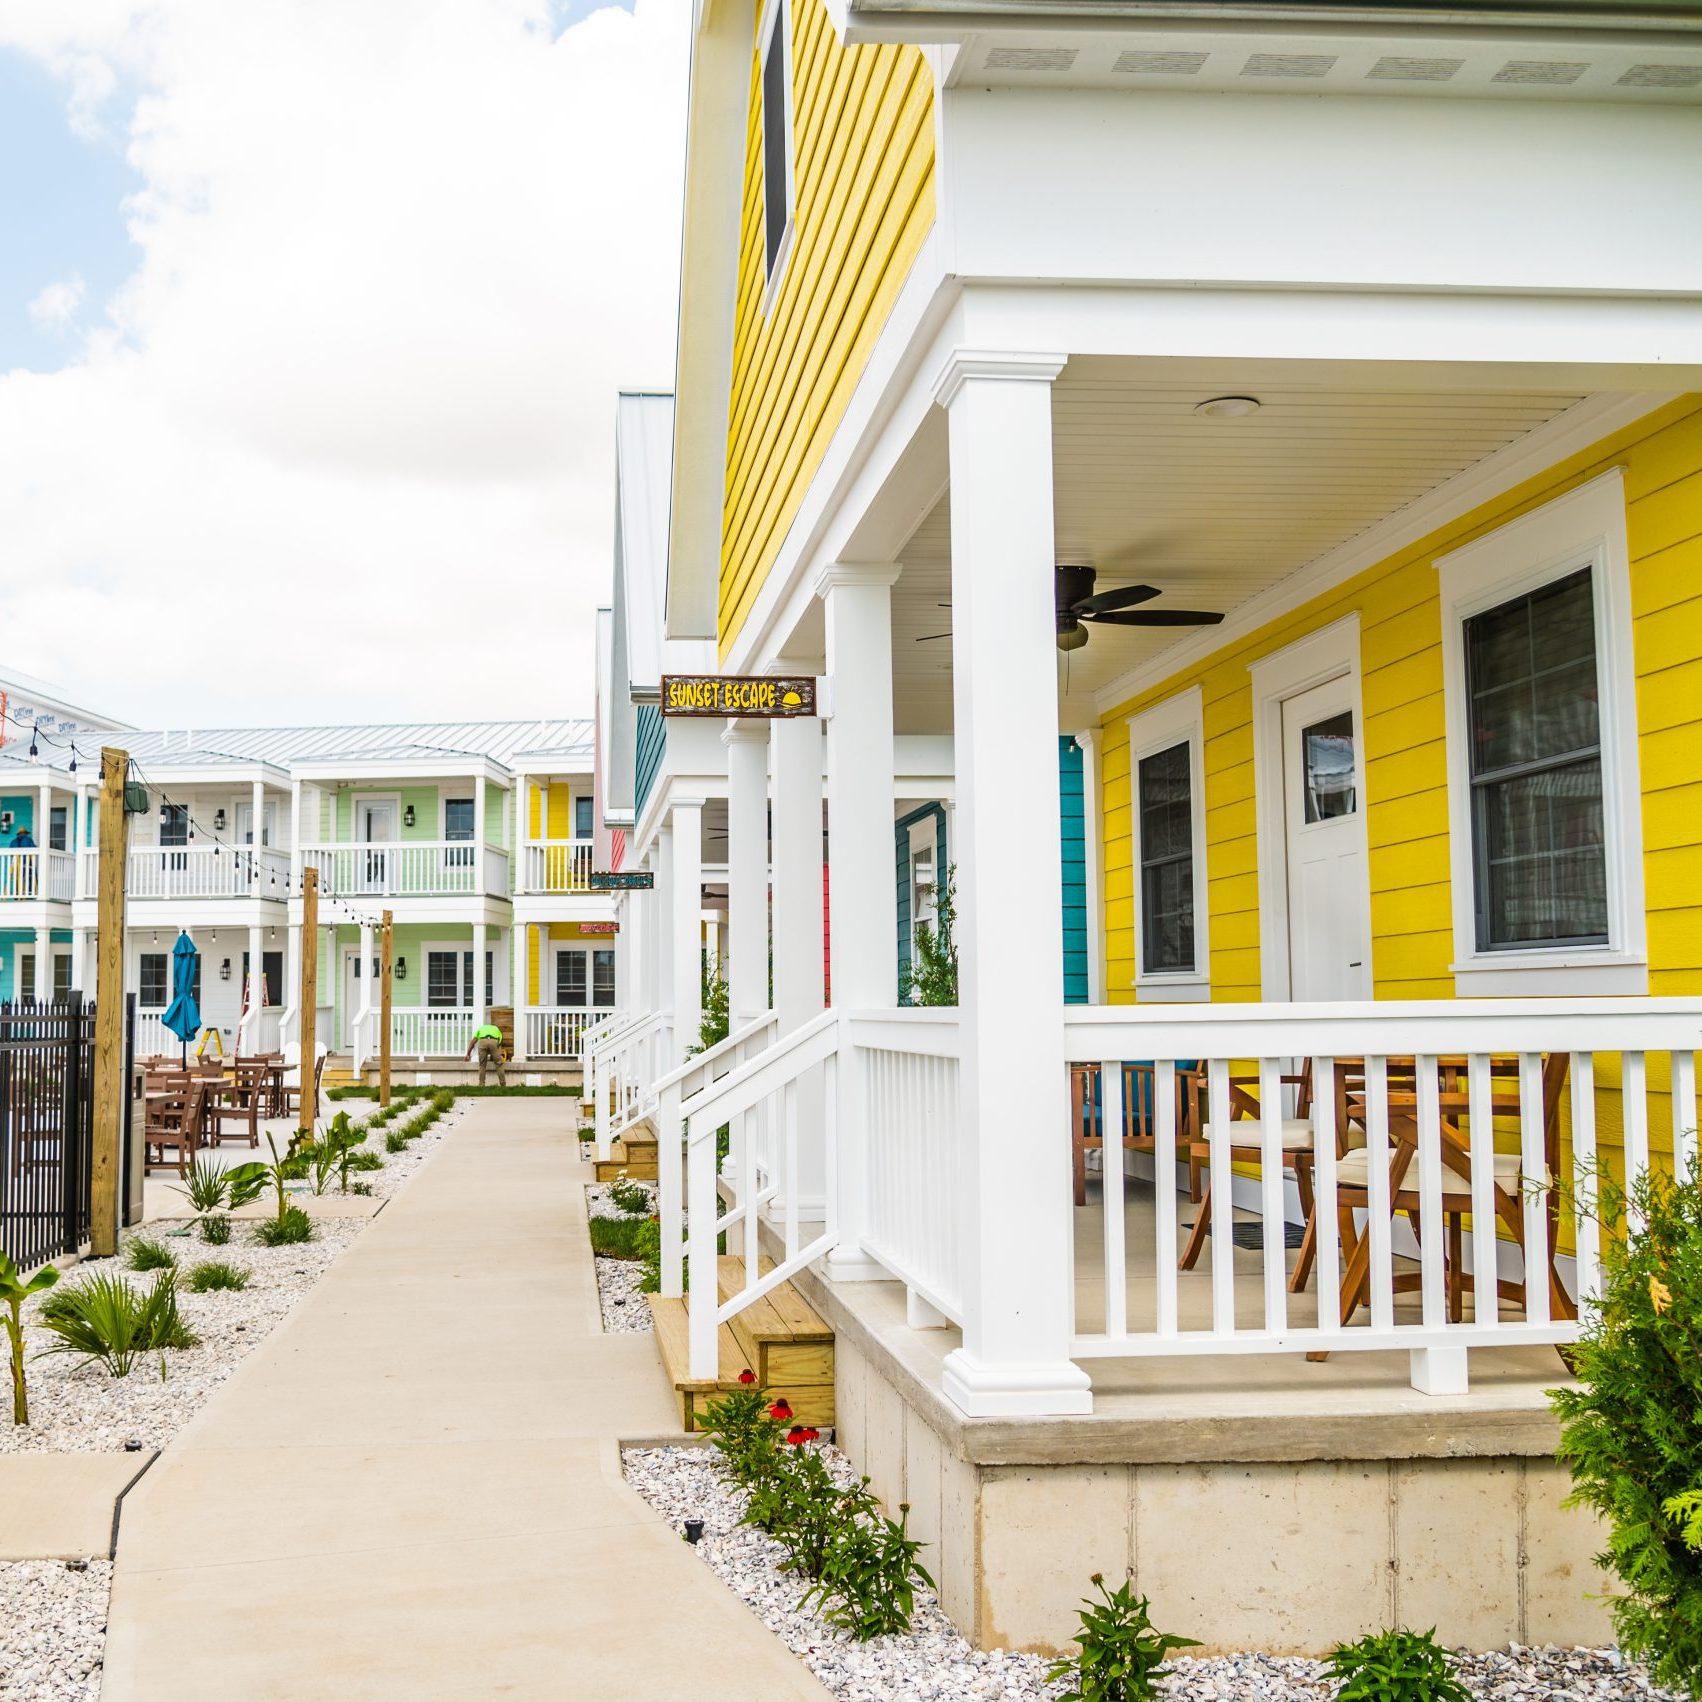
631 1197
359 1160
869 1575
216 1274
204 1186
286 1230
1631 1431
742 1428
111 1322
800 1505
1120 1654
620 1237
215 1229
1394 1666
14 1291
395 1141
362 1188
142 1254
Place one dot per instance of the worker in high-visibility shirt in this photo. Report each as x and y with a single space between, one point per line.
487 1042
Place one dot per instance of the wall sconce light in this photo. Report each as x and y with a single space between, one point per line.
401 969
218 821
5 821
408 816
224 970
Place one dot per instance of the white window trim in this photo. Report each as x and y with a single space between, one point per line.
356 800
776 17
445 797
923 835
1178 720
1330 653
1585 528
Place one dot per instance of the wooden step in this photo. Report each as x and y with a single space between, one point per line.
638 1164
781 1332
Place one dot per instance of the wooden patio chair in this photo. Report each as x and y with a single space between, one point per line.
1140 1132
238 1103
1296 1142
172 1120
1509 1180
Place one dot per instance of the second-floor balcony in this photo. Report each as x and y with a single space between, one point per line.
33 872
556 866
196 871
434 868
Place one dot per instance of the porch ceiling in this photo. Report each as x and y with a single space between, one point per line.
1211 510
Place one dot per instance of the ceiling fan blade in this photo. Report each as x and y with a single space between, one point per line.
1159 617
929 637
1124 597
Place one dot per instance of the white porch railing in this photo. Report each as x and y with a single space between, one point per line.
556 865
558 1031
35 872
201 871
624 1069
425 1032
409 869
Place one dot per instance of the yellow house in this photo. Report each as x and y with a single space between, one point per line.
1240 474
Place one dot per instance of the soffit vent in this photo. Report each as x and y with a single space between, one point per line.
1161 64
1661 77
1554 73
1031 58
1288 65
1395 69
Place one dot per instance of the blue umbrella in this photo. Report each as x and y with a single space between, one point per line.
183 1016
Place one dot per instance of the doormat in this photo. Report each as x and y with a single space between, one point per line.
1251 1236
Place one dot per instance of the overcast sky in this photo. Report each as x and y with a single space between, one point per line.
312 315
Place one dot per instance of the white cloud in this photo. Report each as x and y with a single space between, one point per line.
344 448
55 307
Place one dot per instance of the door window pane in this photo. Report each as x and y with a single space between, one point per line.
58 828
174 824
61 975
458 828
152 984
1327 754
571 987
1167 861
443 979
603 979
1538 835
582 823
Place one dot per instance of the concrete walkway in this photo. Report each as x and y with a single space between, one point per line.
412 1488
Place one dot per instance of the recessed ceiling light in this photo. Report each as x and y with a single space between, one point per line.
1228 407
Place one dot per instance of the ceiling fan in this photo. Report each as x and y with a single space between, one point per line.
1074 603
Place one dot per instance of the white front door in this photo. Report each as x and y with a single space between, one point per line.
375 824
1329 896
354 992
245 824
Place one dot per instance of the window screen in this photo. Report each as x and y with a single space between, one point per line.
1167 861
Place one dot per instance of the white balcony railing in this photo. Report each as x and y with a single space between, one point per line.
35 872
198 871
622 1067
428 1032
551 866
412 869
558 1031
1393 1176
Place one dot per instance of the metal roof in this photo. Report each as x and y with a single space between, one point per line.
394 741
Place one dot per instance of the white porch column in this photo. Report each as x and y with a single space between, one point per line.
79 808
1012 1101
256 968
1093 845
80 958
479 836
297 823
747 870
43 961
661 927
292 979
481 993
520 983
686 923
361 1030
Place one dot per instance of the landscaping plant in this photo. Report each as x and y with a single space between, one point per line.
1121 1654
1394 1666
619 1237
141 1254
204 1186
869 1574
743 1431
1631 1430
630 1197
215 1229
14 1291
931 978
289 1227
111 1322
217 1274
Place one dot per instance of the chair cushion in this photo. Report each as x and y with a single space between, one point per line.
1248 1131
1353 1170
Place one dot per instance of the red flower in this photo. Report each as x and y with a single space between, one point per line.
796 1436
810 1434
747 1376
781 1410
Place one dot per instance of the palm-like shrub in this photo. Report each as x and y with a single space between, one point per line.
111 1322
14 1291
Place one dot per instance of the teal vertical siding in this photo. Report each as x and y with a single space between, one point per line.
901 837
652 740
1072 844
22 806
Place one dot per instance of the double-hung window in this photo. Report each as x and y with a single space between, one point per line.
458 830
777 185
582 817
1543 794
1166 756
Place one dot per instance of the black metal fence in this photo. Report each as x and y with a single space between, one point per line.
47 1058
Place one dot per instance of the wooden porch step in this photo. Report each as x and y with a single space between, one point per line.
637 1161
780 1337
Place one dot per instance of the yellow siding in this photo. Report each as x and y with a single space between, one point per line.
863 139
1405 777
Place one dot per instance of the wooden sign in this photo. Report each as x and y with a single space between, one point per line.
599 927
723 695
622 880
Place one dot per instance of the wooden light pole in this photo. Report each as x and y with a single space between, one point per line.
386 970
110 1086
309 1020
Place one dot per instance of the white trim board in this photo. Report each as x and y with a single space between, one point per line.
1584 528
1566 435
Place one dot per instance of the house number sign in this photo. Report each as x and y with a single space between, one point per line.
722 695
622 880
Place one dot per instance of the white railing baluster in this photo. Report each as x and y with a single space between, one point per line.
1634 1097
1586 1183
830 1141
1533 1164
1222 1199
1684 1115
668 1202
790 1163
1111 1116
1381 1224
1486 1251
1327 1239
1165 1191
1433 1289
1273 1236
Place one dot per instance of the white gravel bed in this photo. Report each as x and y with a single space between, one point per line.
76 1407
52 1629
622 1306
933 1663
